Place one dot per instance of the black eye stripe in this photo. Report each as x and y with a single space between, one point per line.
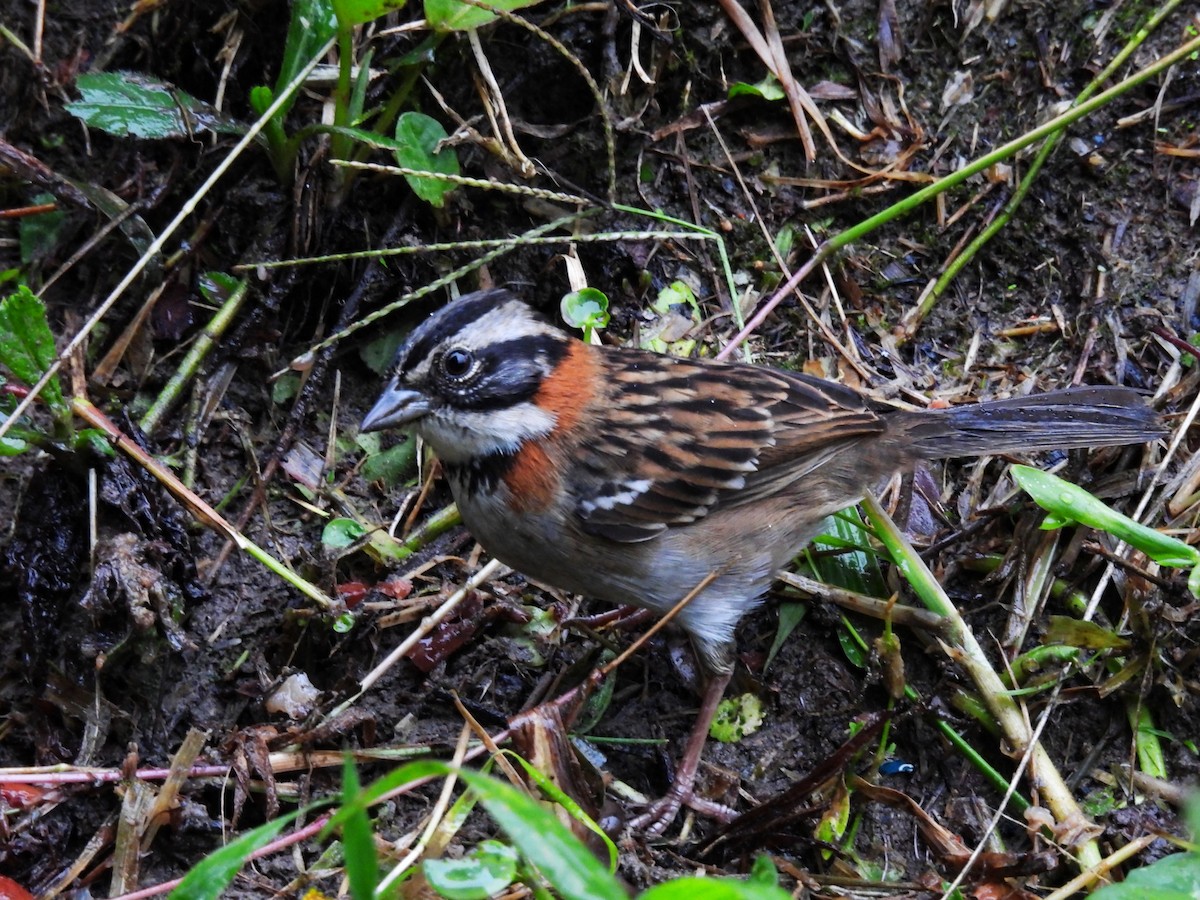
508 373
531 351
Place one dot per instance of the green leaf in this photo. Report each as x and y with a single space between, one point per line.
736 717
418 135
836 819
763 872
358 841
261 98
785 240
127 104
856 571
215 872
599 700
557 795
341 533
545 842
678 313
486 870
791 614
9 444
39 233
358 94
714 889
310 27
1068 503
769 89
379 353
541 839
1088 635
392 465
217 286
585 309
1174 877
852 647
453 15
26 344
285 388
677 293
358 12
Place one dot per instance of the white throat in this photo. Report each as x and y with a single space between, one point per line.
474 435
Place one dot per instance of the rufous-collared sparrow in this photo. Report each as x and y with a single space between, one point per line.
633 477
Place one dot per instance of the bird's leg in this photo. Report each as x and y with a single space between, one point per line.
659 816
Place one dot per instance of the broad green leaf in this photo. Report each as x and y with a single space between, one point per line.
285 388
785 240
26 344
418 136
763 872
598 701
1069 503
127 104
209 878
392 465
341 533
357 12
852 647
486 870
586 309
454 15
857 570
1174 877
379 353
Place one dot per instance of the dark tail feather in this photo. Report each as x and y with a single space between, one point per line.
1059 420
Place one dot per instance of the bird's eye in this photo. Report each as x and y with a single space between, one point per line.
457 362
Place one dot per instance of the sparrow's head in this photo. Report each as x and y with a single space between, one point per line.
467 378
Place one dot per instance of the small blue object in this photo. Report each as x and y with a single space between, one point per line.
897 767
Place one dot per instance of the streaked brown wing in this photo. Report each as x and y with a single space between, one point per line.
816 427
680 438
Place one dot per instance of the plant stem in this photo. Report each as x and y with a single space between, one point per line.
964 649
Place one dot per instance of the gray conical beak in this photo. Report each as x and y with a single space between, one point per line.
396 406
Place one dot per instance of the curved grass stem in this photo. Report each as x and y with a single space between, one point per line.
930 297
961 645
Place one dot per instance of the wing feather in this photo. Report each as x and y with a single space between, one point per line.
687 437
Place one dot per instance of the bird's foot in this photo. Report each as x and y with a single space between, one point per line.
659 815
